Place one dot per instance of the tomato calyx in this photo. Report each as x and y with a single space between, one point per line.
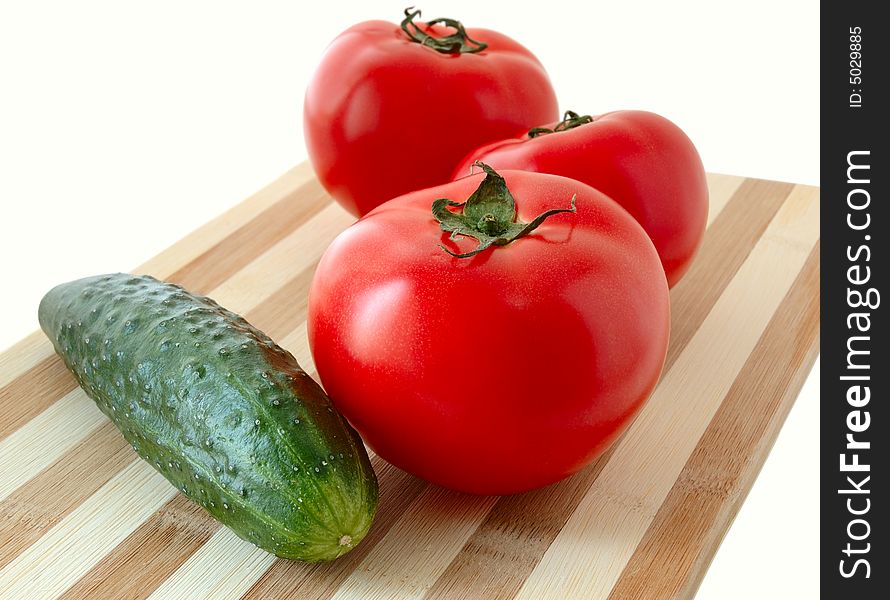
457 43
570 120
488 215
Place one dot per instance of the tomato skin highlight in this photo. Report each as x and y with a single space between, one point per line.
640 159
384 115
502 372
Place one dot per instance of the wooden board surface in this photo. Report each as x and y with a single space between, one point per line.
82 517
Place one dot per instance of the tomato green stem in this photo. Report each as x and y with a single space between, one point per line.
488 215
457 43
569 121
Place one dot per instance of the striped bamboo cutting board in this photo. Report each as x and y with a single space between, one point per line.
82 517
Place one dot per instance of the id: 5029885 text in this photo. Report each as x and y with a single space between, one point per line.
855 67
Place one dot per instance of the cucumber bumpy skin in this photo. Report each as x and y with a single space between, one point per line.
225 414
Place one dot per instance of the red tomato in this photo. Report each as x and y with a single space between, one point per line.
385 114
500 372
639 159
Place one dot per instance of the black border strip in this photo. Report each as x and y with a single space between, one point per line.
854 334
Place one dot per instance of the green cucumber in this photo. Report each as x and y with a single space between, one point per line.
225 414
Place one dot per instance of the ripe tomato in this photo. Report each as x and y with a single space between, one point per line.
641 160
507 369
392 109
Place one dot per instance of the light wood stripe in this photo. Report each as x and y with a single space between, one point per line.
297 343
68 550
617 510
419 546
709 491
480 564
512 538
21 356
727 244
720 189
283 261
290 579
209 270
45 500
29 395
164 542
223 569
60 427
283 309
149 554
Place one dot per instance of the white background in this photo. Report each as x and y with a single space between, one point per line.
125 125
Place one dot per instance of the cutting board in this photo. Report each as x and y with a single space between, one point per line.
82 517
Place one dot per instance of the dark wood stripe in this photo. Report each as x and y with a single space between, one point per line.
148 556
479 567
707 495
501 553
209 270
727 243
43 501
32 392
289 579
47 381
